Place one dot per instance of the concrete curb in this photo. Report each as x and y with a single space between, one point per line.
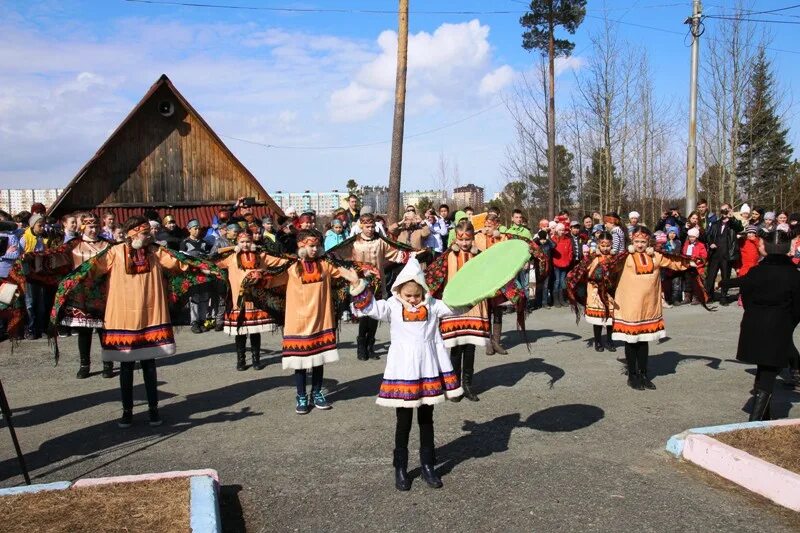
771 481
204 515
676 442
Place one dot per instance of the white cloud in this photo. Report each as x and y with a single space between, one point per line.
496 80
453 64
563 64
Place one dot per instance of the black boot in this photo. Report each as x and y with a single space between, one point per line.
83 370
371 347
598 343
467 372
108 369
634 380
428 459
609 341
400 463
361 348
255 350
241 340
641 365
761 406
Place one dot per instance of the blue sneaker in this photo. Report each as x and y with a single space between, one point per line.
303 406
320 402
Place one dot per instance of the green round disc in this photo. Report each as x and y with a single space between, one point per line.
483 275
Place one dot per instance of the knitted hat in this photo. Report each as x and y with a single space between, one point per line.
36 217
560 227
769 215
336 222
585 248
634 214
574 224
752 228
233 227
661 237
552 224
694 232
291 211
598 227
671 229
194 223
744 209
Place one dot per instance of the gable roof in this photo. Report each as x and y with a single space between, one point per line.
164 81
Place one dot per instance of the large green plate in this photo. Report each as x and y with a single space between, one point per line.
482 276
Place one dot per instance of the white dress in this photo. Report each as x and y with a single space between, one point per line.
418 369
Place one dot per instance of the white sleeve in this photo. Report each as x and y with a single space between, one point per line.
441 309
377 309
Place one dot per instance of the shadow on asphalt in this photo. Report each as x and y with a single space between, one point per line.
105 439
667 362
487 438
509 374
230 509
515 337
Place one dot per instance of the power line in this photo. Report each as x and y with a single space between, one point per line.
767 21
365 145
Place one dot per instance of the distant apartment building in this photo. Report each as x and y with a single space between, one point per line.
413 197
16 200
323 203
468 195
375 196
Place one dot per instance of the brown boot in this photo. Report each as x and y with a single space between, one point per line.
497 331
490 345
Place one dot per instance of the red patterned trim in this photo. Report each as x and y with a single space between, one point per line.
306 345
126 340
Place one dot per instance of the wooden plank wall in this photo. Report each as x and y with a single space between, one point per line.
157 159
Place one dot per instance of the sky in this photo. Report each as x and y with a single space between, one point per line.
305 99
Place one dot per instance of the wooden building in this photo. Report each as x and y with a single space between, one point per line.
163 156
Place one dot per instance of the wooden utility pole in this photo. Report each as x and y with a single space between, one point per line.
396 165
551 122
691 155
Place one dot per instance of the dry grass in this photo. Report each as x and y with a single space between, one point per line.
779 445
148 506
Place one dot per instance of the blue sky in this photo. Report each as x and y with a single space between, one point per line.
71 70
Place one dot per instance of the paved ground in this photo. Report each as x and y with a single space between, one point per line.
557 442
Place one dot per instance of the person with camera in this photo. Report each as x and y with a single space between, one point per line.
723 250
411 230
438 231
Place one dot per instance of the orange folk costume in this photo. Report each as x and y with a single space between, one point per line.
595 311
309 333
472 327
254 320
137 321
638 316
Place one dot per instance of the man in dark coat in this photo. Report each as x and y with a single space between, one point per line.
723 251
771 299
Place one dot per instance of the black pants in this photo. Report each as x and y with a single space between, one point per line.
636 354
765 377
718 263
464 354
316 380
598 333
367 327
85 343
403 430
241 342
150 383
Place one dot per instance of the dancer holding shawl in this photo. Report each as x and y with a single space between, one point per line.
485 239
463 332
371 248
242 260
309 332
418 370
131 284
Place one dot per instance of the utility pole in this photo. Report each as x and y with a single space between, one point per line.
396 164
691 151
551 119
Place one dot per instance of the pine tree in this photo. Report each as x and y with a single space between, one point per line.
764 153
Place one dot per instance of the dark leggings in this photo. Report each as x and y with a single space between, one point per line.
150 383
255 342
497 314
465 353
598 332
367 327
636 356
316 380
402 430
85 342
765 378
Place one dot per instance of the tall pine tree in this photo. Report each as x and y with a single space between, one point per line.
764 153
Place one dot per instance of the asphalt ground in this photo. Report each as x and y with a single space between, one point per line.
558 442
